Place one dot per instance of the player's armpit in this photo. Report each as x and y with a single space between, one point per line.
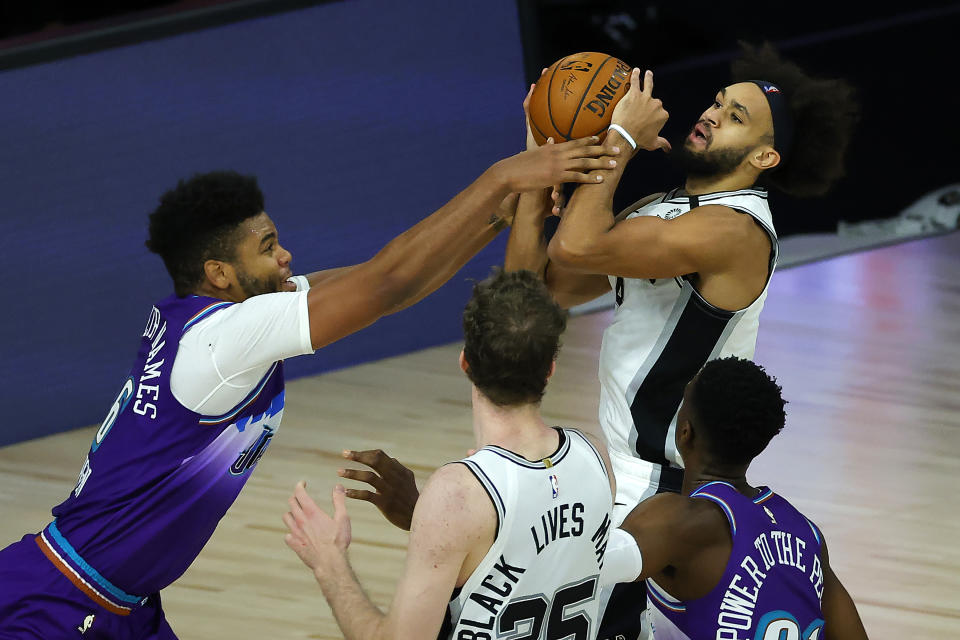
840 616
453 527
708 239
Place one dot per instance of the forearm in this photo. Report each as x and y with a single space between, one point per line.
425 256
359 619
526 247
469 244
589 213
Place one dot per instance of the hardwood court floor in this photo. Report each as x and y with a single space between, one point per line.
867 348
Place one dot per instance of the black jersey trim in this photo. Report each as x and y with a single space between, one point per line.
692 334
563 447
593 448
492 492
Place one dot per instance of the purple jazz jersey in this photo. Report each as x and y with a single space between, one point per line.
158 477
773 583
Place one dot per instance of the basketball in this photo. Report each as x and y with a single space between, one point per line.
576 96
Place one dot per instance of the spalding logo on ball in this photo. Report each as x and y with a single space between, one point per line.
576 96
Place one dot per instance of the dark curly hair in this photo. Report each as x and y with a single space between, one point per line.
738 407
511 330
824 112
197 221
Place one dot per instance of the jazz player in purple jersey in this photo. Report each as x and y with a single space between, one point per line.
724 560
205 395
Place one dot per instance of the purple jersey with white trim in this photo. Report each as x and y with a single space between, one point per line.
773 583
159 477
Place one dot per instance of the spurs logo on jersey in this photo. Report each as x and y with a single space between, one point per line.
540 574
661 334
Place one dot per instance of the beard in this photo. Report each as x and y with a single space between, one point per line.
707 163
253 286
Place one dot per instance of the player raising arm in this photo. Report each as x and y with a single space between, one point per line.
205 395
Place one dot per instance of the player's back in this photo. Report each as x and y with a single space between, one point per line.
772 584
541 573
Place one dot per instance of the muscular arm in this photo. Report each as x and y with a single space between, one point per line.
425 256
684 545
840 616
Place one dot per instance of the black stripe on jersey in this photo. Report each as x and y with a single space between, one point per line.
673 198
592 448
491 489
559 454
692 339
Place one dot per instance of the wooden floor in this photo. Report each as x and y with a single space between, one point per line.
867 348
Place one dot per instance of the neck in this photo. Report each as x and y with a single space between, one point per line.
698 185
695 476
208 290
518 428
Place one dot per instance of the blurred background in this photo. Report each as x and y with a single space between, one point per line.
359 118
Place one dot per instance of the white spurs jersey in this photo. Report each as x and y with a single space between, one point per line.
662 333
541 573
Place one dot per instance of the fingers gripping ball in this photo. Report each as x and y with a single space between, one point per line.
576 96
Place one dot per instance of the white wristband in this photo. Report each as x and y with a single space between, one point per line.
623 132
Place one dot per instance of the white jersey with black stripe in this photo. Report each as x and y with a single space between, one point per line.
662 332
553 521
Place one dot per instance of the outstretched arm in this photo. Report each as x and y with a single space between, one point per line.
527 247
425 256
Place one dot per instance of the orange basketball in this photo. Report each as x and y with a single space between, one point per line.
576 96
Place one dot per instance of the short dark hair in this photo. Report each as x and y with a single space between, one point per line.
197 220
738 407
824 112
511 330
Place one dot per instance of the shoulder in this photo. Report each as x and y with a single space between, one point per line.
691 521
453 492
725 222
454 507
600 446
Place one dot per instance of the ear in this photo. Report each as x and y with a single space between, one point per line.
219 274
464 366
553 367
765 158
684 434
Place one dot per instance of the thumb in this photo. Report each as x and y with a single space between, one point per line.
339 503
664 144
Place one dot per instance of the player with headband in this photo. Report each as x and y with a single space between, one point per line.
690 267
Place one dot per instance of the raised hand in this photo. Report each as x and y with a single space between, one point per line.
314 535
395 492
552 164
642 115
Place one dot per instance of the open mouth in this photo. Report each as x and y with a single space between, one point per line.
700 134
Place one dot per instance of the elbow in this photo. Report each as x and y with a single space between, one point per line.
565 253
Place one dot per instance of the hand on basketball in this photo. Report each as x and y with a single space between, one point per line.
555 193
553 164
395 492
313 534
642 115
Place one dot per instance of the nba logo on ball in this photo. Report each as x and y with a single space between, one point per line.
554 486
